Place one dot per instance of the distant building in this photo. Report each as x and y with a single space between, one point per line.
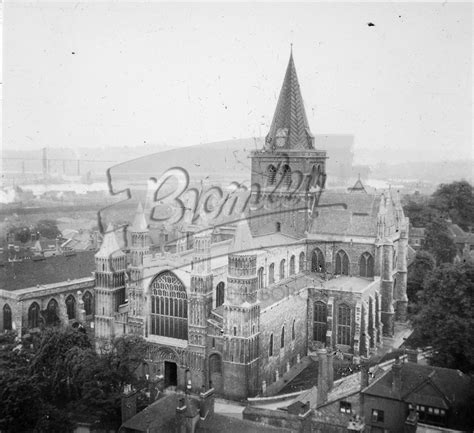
46 291
416 237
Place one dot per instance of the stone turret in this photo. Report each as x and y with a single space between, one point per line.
241 318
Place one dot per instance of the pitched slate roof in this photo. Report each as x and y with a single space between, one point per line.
290 116
422 384
29 273
344 213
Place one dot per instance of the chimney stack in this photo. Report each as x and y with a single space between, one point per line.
129 403
206 403
397 377
364 373
323 379
412 355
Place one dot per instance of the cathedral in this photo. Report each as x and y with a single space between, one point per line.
307 268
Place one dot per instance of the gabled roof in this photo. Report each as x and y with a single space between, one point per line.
30 273
422 384
110 247
358 187
290 119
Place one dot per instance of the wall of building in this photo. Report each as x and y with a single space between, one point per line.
395 413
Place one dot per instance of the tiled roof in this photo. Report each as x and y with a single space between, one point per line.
290 116
346 214
419 381
29 273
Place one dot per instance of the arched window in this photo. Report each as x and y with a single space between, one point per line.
292 265
215 364
278 227
270 346
366 265
320 321
282 338
220 294
52 310
301 262
293 334
260 278
33 315
286 175
271 174
271 273
87 299
342 263
71 307
344 325
318 263
282 269
7 318
169 307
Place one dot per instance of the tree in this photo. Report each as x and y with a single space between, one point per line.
439 242
446 318
48 228
456 201
420 213
422 265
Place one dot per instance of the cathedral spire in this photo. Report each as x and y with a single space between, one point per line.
139 222
290 128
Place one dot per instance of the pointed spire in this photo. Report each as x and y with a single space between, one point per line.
139 222
290 128
243 240
110 247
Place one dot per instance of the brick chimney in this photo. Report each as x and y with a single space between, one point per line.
323 377
181 416
129 403
206 403
397 377
364 373
412 355
411 423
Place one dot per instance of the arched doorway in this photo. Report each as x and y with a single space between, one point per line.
7 318
215 372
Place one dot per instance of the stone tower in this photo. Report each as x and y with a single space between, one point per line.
139 248
288 174
400 294
199 307
241 318
110 262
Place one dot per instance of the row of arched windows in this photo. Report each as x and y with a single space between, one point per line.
271 344
271 174
282 270
343 320
51 314
366 263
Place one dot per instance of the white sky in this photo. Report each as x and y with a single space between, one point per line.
182 74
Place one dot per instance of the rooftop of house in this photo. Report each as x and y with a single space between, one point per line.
417 232
160 417
30 273
426 385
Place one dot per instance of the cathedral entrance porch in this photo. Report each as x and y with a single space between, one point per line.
171 374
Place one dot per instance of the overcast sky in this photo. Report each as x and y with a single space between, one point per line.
124 74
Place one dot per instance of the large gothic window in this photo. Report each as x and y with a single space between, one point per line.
271 174
87 299
271 273
220 294
71 307
301 262
366 265
344 325
169 307
342 263
320 321
52 312
286 175
33 315
292 265
7 318
260 278
282 269
317 261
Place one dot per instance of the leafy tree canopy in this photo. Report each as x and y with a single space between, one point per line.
422 265
48 228
439 242
446 318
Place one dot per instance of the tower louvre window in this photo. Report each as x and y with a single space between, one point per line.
286 175
271 174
